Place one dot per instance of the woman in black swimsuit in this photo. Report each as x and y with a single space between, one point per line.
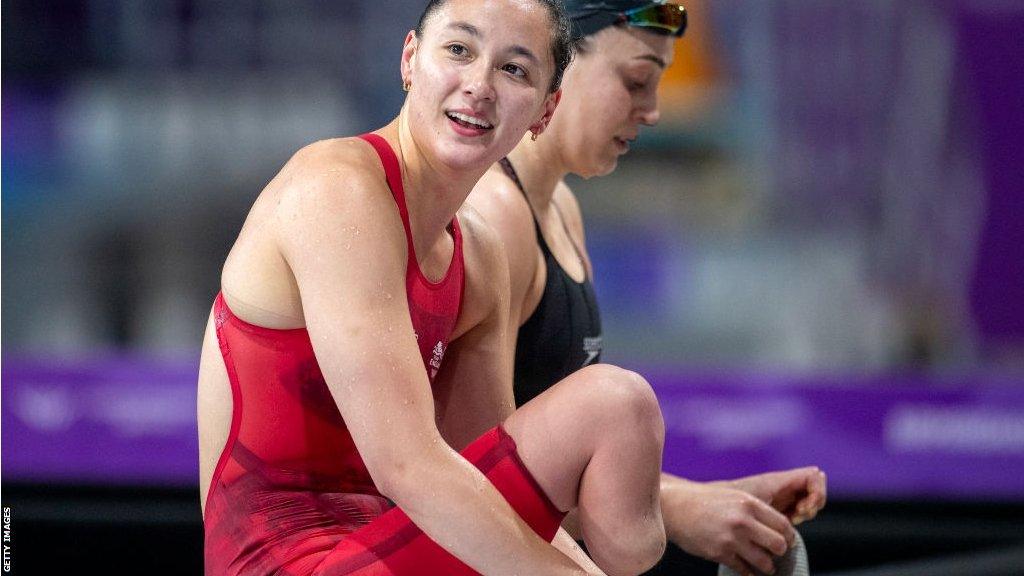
609 92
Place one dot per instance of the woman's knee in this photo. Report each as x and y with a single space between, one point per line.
622 394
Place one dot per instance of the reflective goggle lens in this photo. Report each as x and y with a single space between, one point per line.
668 17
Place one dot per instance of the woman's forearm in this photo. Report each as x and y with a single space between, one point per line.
458 507
567 545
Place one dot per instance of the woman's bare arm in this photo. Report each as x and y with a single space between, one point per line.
339 232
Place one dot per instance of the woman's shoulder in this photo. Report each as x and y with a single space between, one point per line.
329 187
478 235
500 202
503 209
336 173
350 157
485 262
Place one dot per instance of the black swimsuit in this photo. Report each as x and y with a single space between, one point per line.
564 332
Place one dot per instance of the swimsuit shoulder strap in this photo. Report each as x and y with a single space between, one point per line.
510 170
393 173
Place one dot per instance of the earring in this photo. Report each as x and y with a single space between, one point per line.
407 85
533 136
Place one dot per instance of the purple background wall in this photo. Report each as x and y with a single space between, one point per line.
991 55
133 421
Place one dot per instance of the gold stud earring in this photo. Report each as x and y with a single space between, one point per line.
407 85
533 136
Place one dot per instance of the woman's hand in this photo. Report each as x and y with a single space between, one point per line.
724 524
799 493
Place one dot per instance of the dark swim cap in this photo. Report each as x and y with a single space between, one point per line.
592 16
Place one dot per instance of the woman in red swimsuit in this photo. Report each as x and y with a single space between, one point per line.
359 342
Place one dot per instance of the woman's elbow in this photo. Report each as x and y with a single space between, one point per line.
399 474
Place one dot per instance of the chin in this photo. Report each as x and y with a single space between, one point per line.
604 168
597 167
466 155
609 168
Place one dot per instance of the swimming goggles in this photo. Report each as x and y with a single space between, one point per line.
662 16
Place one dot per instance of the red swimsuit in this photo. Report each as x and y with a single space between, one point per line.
290 494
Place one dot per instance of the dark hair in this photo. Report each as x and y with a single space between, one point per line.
563 46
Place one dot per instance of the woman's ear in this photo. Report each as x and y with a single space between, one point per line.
550 103
409 56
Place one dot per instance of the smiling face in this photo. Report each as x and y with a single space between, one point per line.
609 91
479 77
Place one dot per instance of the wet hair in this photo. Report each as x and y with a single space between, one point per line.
563 46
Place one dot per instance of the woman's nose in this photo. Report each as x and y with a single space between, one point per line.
480 83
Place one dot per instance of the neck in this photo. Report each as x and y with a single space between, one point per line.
433 193
540 169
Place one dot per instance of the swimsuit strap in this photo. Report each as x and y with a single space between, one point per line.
393 173
509 169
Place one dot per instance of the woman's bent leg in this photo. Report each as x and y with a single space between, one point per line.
594 440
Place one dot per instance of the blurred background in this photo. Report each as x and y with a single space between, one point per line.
817 257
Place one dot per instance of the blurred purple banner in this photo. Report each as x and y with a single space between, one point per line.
119 420
133 421
883 436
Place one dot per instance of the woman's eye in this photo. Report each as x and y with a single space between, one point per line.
514 70
457 49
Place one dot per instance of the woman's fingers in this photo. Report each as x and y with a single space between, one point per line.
772 530
740 566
